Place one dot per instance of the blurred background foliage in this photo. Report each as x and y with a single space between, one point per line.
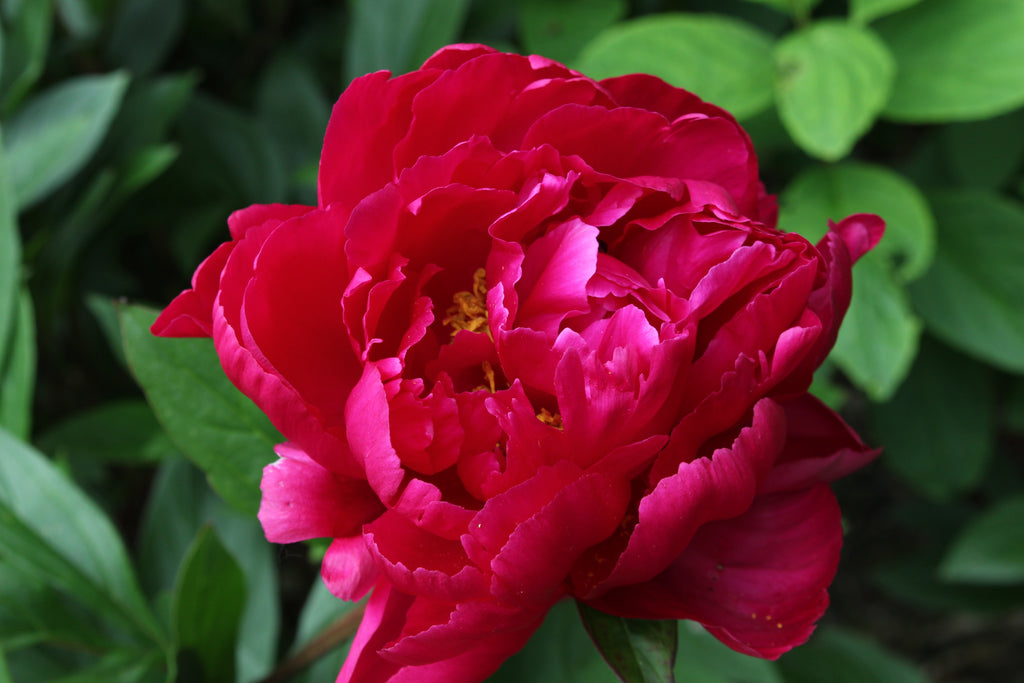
129 550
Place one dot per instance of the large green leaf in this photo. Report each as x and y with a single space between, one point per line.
956 59
639 650
49 529
834 79
559 30
212 422
723 60
868 10
25 43
703 659
124 431
843 656
55 133
878 339
32 612
399 35
939 428
209 597
18 370
971 296
991 549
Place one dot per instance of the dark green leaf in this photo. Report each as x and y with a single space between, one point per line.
320 611
913 581
639 650
32 612
834 79
939 428
798 9
991 549
122 431
878 339
49 528
208 601
721 59
214 425
18 370
148 110
121 666
26 39
971 297
559 30
399 35
957 60
144 33
53 135
985 153
10 260
78 17
703 659
845 656
864 11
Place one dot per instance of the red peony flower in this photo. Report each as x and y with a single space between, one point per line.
540 338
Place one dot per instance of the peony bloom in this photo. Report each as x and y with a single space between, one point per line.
539 339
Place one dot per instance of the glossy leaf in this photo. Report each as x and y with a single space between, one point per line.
844 656
49 528
834 79
214 425
991 549
868 10
639 650
56 133
957 60
208 601
18 370
559 30
970 298
399 35
721 59
878 339
940 440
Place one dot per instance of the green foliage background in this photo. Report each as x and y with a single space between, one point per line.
129 549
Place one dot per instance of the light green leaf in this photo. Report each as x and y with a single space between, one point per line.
26 40
864 11
18 370
55 134
208 601
957 60
205 415
639 650
971 296
703 659
845 656
991 549
834 79
940 457
49 529
878 339
723 60
399 35
144 32
559 30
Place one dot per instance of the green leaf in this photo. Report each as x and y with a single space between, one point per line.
18 370
864 11
55 134
970 298
879 337
49 529
208 601
120 666
845 656
834 79
913 581
798 9
10 261
703 659
723 60
559 30
32 612
149 109
560 650
957 60
123 431
991 549
26 39
940 457
217 427
639 650
320 612
985 153
144 32
399 35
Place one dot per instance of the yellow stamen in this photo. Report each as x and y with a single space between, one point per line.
549 418
488 375
469 310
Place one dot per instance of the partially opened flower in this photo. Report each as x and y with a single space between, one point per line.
539 339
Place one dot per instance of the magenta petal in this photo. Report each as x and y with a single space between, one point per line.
302 500
860 233
368 430
190 314
348 568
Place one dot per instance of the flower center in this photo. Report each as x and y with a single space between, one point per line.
469 310
549 418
